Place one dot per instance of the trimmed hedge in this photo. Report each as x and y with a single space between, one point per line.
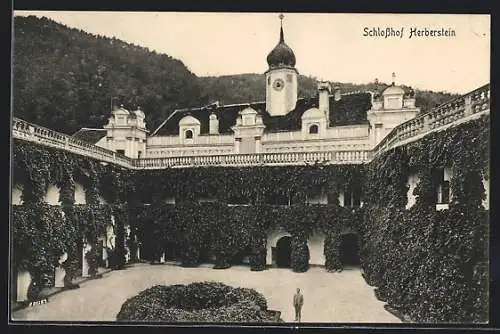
196 302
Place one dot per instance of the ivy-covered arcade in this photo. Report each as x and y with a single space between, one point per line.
429 264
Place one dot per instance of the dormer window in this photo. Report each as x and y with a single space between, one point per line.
313 129
189 129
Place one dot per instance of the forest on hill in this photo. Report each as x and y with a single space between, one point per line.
66 79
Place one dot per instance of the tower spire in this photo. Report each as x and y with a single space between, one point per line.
282 39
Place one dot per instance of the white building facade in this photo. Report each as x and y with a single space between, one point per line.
281 123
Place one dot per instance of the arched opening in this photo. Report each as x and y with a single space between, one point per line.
241 257
284 252
349 250
188 134
313 129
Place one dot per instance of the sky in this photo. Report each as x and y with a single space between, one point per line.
327 46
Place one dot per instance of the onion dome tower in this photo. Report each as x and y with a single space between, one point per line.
281 78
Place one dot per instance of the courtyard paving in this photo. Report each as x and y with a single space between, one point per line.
328 297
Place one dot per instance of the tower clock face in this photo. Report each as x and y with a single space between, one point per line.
278 84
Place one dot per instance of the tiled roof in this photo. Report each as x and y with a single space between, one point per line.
90 135
350 109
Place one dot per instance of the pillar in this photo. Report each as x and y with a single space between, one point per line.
23 283
85 264
60 272
258 144
138 252
237 143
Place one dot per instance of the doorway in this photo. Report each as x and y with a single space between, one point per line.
349 250
284 252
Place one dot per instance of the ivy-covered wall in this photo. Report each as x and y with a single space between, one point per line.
431 265
41 233
190 229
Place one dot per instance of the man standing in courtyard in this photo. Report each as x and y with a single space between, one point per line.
298 301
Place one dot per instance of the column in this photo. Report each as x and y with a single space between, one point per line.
468 105
258 144
23 283
60 272
237 143
85 264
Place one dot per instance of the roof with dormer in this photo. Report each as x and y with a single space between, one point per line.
120 111
349 110
393 90
90 135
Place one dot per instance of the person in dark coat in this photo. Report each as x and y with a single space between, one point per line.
298 301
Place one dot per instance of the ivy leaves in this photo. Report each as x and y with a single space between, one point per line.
428 264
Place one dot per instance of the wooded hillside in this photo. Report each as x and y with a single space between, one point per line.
66 79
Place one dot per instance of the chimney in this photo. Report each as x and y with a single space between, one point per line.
336 93
213 125
324 101
393 78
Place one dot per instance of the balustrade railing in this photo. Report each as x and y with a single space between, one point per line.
256 159
38 134
459 109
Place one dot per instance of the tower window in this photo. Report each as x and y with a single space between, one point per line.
289 78
188 134
313 129
269 80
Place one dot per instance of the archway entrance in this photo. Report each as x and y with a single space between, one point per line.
349 250
284 252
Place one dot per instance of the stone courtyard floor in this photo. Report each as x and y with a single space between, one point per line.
328 297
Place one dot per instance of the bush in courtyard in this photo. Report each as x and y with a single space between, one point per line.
300 254
196 302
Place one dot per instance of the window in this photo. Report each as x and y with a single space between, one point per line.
289 78
442 187
188 134
313 129
139 153
352 196
348 197
277 199
269 81
120 152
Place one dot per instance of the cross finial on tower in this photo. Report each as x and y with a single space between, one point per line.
282 38
393 78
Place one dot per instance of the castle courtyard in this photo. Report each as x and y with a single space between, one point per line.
328 297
